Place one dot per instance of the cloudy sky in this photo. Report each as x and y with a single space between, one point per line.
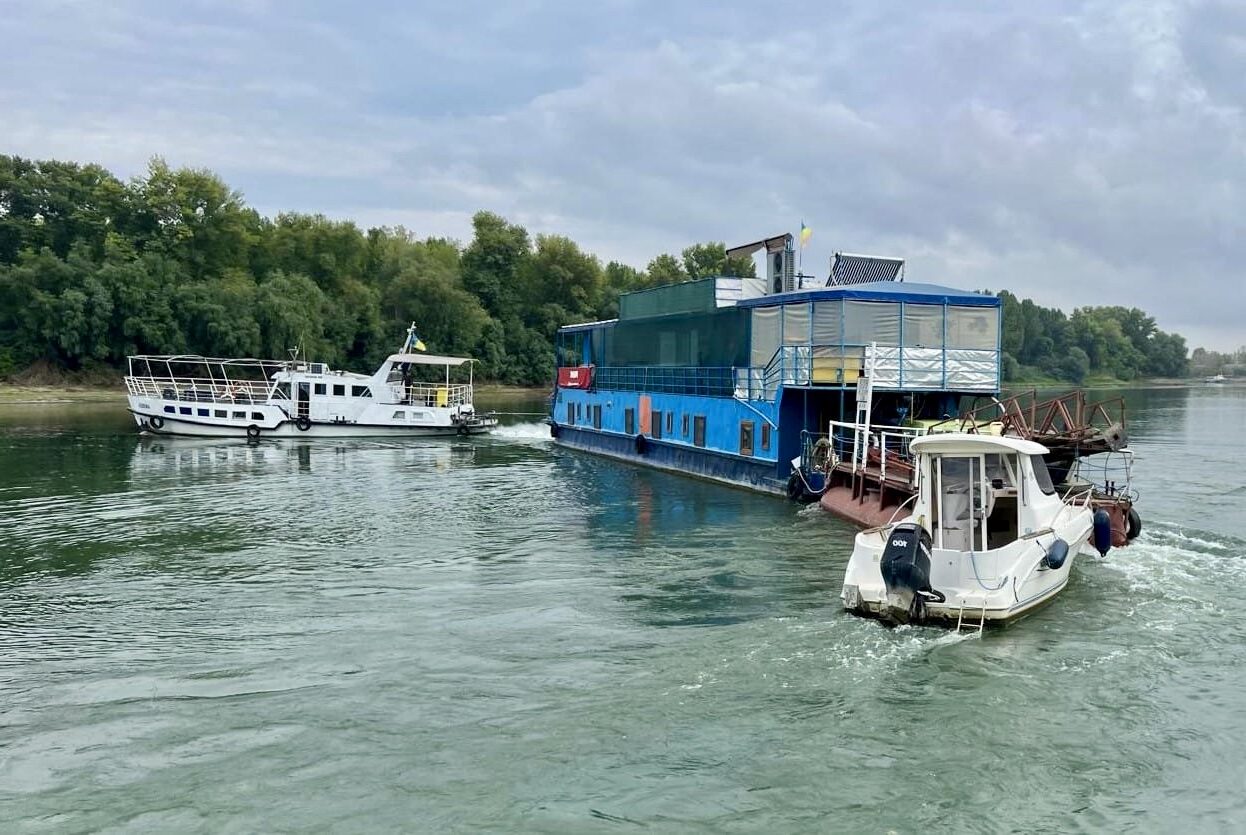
1073 152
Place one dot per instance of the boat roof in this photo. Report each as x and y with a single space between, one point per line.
972 444
880 291
427 359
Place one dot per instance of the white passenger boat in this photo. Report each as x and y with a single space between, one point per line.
205 396
989 537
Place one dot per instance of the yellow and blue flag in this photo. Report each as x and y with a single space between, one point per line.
805 234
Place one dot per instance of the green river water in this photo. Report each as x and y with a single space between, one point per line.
501 635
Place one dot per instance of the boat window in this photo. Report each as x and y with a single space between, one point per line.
220 413
597 416
170 409
765 437
1041 475
240 415
184 409
570 413
203 412
685 426
698 430
578 411
321 388
360 391
257 416
400 415
655 428
629 421
746 437
670 423
998 467
339 391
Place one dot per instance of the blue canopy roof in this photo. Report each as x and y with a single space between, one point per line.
880 291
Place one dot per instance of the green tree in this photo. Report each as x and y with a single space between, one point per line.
493 261
664 269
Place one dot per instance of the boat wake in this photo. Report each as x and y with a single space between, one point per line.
532 431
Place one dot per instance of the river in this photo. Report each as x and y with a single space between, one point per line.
502 635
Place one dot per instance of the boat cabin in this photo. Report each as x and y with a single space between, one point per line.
981 492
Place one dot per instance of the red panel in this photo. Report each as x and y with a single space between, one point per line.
578 377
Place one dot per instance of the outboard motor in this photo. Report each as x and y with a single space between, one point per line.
905 567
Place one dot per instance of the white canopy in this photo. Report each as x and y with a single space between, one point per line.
427 359
964 443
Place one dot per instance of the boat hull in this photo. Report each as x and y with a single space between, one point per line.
736 471
1018 580
170 425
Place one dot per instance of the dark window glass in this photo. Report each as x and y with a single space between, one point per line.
360 391
670 423
746 437
629 421
220 413
339 391
257 416
570 413
597 416
240 415
283 391
203 413
1042 475
321 388
170 409
685 426
184 409
698 430
655 425
578 411
765 436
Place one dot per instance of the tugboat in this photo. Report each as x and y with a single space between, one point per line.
989 537
252 398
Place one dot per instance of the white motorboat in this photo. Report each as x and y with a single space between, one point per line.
989 537
204 396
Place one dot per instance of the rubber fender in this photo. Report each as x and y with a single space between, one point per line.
1101 533
554 429
1057 553
156 422
641 444
303 423
253 431
1133 524
795 487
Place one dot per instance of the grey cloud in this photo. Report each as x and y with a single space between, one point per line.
1075 152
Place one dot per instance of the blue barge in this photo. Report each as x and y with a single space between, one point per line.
733 379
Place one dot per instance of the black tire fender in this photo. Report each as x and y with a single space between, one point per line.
1133 524
641 444
253 431
302 422
156 422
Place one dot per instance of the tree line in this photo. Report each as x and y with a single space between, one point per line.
93 269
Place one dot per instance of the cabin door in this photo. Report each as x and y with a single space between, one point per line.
303 400
960 523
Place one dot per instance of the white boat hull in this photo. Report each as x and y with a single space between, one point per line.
992 587
282 427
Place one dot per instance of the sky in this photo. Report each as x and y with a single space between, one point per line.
1076 153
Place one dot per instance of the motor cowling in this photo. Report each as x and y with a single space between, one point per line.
905 566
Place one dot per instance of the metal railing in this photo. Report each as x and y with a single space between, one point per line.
201 389
433 394
710 381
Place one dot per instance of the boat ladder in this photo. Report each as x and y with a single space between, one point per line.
978 610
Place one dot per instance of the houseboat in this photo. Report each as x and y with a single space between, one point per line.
412 393
734 379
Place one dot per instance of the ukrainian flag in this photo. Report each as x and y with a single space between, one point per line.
805 234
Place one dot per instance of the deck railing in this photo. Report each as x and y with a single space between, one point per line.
432 394
200 389
709 381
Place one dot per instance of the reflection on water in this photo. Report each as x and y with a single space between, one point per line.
499 634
